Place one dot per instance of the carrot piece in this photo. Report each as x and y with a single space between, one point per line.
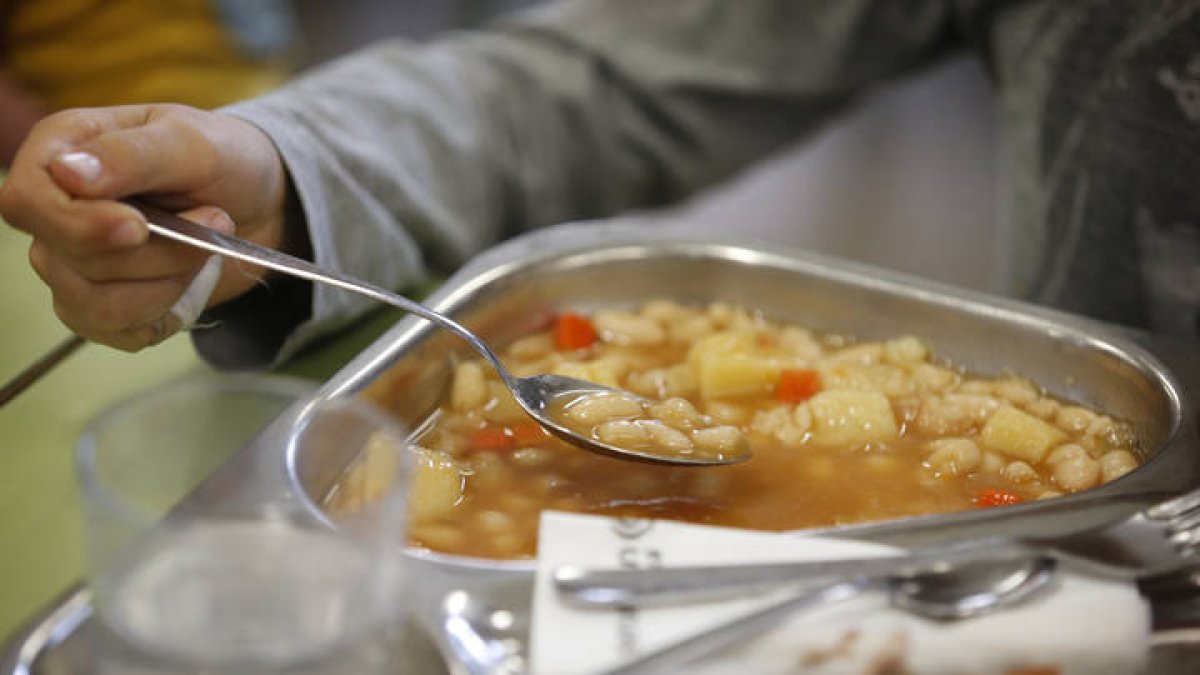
573 331
993 497
528 433
797 384
492 438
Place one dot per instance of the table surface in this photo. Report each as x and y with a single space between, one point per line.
40 521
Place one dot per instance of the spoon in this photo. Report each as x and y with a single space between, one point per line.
945 593
536 395
485 630
585 586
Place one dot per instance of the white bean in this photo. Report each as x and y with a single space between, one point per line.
532 346
649 383
624 328
528 368
1074 419
905 350
593 409
953 414
800 343
1076 473
495 522
1045 408
1117 463
719 439
1064 452
1100 427
953 456
978 387
487 469
863 354
782 423
929 377
721 314
1016 390
668 439
724 412
1020 473
678 413
530 457
690 329
665 310
623 434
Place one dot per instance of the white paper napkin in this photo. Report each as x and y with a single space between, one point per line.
1084 626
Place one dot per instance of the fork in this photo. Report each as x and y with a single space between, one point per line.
1161 542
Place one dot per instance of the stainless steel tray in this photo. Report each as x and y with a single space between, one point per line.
509 290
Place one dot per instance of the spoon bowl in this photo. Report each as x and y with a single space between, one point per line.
544 396
970 588
536 395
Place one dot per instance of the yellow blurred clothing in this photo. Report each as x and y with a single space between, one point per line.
76 53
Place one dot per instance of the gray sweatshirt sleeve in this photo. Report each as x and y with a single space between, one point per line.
407 159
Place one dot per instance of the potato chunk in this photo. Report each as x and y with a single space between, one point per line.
501 407
849 417
368 478
1020 435
730 365
437 486
470 386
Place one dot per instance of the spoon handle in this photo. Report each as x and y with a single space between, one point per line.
674 656
605 587
167 224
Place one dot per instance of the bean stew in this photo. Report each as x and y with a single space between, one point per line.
843 431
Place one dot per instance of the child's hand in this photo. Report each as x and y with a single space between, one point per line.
112 282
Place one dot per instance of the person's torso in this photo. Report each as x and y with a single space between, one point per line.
1100 101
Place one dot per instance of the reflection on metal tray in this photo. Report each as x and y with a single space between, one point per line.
509 290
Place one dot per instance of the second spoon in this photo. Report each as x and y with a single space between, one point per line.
945 593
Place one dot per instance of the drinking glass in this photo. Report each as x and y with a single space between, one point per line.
244 524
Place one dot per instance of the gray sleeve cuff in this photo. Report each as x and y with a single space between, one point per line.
270 324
